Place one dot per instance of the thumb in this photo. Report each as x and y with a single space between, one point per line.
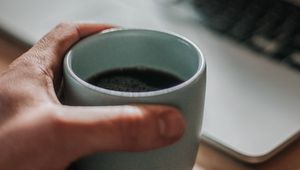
86 130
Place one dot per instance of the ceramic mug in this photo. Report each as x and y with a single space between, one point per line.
121 48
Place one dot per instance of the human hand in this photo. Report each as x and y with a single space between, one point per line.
37 132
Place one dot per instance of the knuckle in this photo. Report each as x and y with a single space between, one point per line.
130 128
59 37
37 60
67 28
64 25
43 42
64 32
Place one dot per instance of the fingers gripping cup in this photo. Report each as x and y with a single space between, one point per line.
132 66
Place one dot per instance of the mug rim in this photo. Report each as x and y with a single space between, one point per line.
201 67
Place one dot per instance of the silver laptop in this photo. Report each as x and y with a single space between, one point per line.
253 99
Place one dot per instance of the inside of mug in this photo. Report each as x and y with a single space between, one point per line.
134 48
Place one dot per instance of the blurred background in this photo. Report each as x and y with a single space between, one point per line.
252 48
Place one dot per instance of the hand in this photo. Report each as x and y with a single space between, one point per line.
37 132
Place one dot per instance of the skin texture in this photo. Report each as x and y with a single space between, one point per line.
38 132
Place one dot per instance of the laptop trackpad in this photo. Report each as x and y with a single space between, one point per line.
252 104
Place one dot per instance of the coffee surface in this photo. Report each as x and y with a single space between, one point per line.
134 80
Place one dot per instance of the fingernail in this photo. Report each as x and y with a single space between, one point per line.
170 125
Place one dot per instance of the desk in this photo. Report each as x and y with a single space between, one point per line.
208 157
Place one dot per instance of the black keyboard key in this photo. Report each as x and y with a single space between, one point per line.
263 38
272 27
286 35
209 8
257 8
244 28
271 20
225 20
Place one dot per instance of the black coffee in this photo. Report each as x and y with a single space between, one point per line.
134 80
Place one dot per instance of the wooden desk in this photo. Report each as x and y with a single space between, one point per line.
208 158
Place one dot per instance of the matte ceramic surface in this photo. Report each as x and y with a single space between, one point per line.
135 47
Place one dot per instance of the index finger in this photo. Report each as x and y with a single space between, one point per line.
48 53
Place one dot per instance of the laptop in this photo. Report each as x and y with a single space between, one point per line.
252 108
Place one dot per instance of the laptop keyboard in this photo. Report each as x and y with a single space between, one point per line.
268 26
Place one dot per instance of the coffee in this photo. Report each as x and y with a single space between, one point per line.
138 79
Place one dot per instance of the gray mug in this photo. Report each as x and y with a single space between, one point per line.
121 48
